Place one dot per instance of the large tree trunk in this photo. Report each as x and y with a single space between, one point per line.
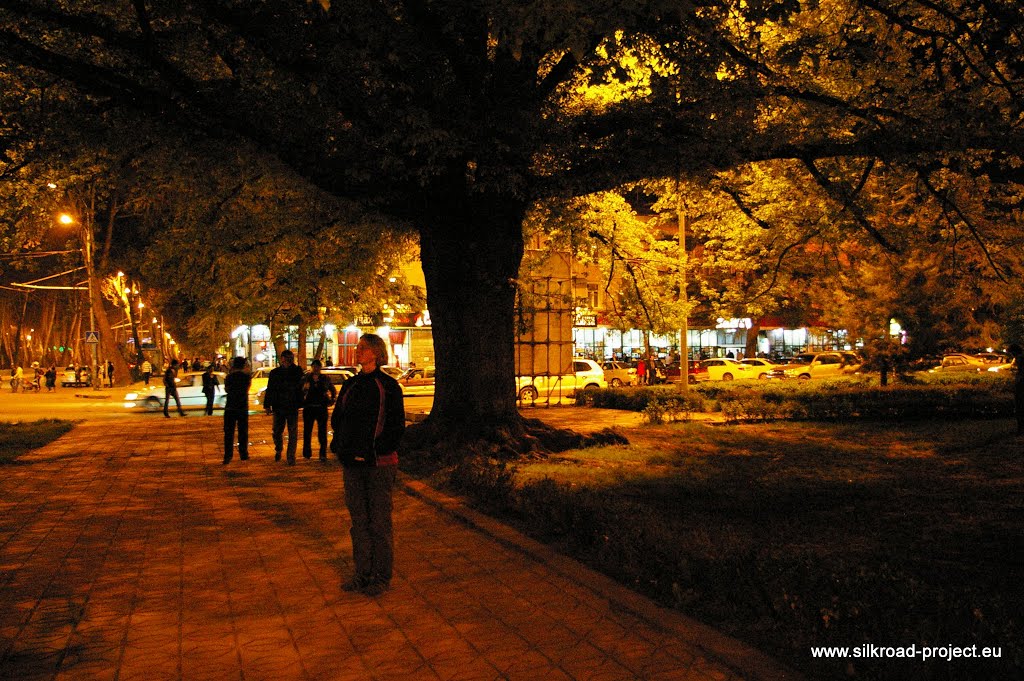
108 349
471 262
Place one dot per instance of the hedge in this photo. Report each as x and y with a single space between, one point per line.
837 400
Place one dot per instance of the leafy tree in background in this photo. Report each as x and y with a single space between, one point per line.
455 117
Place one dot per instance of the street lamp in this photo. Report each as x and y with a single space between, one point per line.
67 219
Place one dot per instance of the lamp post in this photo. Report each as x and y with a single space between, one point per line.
93 340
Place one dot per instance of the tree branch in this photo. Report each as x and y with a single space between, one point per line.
845 197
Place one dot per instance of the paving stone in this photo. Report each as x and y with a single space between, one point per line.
129 551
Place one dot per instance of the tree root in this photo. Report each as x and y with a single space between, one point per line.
436 443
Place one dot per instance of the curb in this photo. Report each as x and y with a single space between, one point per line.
749 662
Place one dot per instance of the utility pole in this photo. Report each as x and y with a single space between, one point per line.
86 227
684 331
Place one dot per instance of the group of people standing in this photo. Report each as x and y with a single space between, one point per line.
368 422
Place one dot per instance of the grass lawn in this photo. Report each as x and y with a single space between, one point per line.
792 535
18 438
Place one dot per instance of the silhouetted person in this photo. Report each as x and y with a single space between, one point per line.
236 409
171 388
282 399
317 396
210 385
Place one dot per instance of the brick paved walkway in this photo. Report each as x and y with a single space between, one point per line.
127 551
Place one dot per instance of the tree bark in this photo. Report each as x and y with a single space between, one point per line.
471 265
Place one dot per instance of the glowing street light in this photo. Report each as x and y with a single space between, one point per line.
68 219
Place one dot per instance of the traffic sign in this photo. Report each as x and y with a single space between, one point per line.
92 336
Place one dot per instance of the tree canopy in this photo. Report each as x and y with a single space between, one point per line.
455 117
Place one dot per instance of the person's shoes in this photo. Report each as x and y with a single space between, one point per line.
227 460
307 456
277 456
323 458
291 462
167 416
181 413
375 587
357 583
243 457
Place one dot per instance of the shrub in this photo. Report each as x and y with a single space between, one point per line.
669 408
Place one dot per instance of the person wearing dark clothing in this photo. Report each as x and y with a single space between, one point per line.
51 378
368 422
1018 385
171 388
282 399
236 410
210 385
317 395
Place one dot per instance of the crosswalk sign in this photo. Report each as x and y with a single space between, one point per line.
92 336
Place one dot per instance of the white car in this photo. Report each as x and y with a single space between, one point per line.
190 392
725 369
761 367
587 375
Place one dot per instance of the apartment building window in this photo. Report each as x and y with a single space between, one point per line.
593 296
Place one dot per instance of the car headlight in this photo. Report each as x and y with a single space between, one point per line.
131 396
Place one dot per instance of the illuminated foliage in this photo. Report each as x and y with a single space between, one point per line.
455 117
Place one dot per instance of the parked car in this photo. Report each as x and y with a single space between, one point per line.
587 375
393 372
1008 367
993 357
958 362
761 367
190 392
696 372
335 375
819 365
724 369
417 381
618 374
258 386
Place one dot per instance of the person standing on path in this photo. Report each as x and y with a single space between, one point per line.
368 422
210 385
147 371
171 388
110 374
236 410
641 372
317 395
282 399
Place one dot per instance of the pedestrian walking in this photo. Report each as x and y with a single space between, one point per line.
282 400
147 371
236 410
110 374
210 385
317 396
171 388
368 422
51 378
